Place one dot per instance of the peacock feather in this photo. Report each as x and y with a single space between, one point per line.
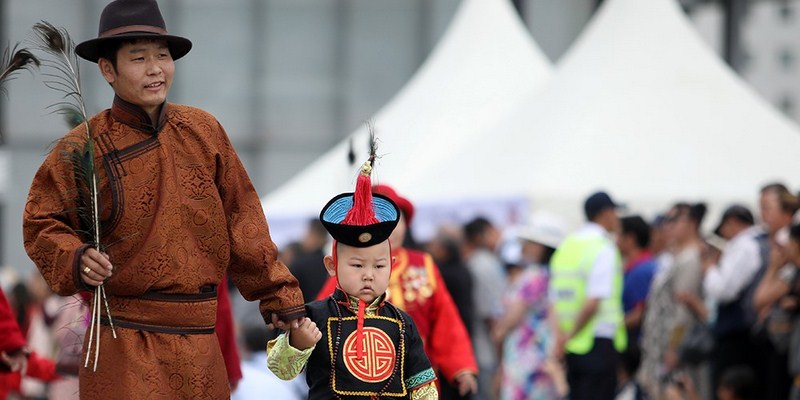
14 60
61 72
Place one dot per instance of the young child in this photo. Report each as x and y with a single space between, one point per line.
355 344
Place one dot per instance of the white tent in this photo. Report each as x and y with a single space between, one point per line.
485 64
639 107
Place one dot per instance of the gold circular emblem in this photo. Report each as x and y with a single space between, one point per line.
379 359
365 237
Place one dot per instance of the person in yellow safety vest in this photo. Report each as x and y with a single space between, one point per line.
586 295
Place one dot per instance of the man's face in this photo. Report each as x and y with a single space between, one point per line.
363 272
771 213
625 242
676 227
143 75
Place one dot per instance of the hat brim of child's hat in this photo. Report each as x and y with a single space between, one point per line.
334 213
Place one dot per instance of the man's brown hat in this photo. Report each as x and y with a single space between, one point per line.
132 19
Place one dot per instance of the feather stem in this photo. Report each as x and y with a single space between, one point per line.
64 76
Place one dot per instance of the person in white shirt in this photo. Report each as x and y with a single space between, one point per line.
586 292
728 281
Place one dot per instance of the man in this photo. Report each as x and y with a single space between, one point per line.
416 287
640 267
178 212
307 265
488 275
728 281
586 292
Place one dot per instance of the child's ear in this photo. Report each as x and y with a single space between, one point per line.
394 260
329 266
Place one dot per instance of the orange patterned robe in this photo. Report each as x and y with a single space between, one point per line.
178 212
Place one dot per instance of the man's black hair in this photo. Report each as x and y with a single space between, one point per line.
474 229
741 380
110 48
636 226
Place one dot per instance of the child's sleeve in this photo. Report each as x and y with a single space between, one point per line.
285 361
421 378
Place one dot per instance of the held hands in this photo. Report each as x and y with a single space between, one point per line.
95 267
305 336
304 333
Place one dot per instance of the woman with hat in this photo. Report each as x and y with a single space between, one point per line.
528 371
178 212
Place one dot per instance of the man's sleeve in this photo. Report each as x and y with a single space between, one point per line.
601 276
736 268
49 230
254 265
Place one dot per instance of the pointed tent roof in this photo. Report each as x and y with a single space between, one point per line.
485 63
638 106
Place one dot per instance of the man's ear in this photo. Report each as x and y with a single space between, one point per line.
329 266
107 69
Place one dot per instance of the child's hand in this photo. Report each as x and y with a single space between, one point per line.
305 336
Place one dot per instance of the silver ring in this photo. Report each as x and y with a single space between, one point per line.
86 270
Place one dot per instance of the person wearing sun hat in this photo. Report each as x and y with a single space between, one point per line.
178 212
416 286
524 330
355 343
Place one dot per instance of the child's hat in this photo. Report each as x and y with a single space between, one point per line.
360 218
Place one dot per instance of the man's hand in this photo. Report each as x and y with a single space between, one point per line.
305 336
559 347
278 324
16 362
95 267
467 383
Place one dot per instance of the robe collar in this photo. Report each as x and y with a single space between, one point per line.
135 117
351 302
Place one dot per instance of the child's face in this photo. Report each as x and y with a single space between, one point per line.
363 272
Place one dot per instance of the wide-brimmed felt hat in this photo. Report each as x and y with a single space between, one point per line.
130 20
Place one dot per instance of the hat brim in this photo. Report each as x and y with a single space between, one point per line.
386 212
544 240
90 49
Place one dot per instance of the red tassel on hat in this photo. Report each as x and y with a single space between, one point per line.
362 212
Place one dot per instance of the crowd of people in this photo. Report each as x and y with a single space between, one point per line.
622 308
